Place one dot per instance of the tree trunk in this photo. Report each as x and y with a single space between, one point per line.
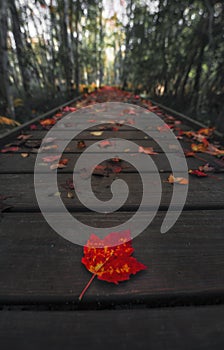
127 47
4 62
101 45
77 68
20 49
66 55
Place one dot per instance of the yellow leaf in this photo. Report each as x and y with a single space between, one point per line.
24 155
96 133
8 121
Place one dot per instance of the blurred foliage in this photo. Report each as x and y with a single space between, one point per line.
171 49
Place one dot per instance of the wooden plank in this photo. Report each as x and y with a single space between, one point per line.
167 328
15 163
128 133
203 192
72 146
184 265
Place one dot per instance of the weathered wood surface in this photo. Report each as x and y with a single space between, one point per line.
40 270
187 264
203 193
15 163
183 328
72 146
122 132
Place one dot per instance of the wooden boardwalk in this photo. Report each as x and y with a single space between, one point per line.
177 303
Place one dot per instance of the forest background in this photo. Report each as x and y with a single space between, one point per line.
170 50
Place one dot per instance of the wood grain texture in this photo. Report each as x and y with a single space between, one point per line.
203 192
72 146
131 133
164 329
186 264
16 164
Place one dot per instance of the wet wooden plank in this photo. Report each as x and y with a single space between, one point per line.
184 265
131 134
203 192
174 328
15 163
73 146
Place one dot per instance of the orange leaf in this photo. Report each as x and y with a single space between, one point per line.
206 131
47 122
198 148
146 150
178 180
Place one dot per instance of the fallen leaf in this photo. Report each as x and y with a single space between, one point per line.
47 148
206 131
178 180
60 165
24 137
115 160
69 109
50 159
111 261
189 134
10 149
8 121
189 154
146 150
24 155
198 148
48 122
81 144
100 170
105 143
116 169
206 168
197 173
48 140
164 128
58 115
215 151
96 133
57 194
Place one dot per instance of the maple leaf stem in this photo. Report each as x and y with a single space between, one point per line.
93 276
87 286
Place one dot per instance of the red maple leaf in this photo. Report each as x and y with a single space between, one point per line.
110 258
198 173
10 149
